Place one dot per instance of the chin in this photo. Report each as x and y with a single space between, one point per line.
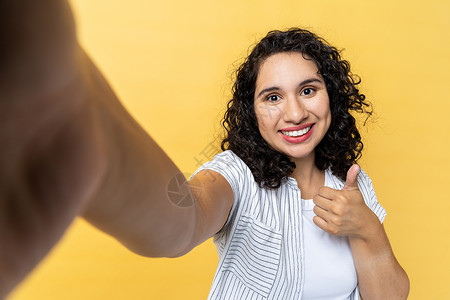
297 156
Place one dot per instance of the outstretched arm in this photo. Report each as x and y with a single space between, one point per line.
69 147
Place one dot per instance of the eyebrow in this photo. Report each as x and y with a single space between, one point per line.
275 88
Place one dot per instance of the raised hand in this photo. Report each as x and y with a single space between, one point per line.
344 212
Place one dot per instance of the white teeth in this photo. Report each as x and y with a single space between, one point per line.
296 133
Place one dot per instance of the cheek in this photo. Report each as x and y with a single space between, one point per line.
328 117
266 116
323 110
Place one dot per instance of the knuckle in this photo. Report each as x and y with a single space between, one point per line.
336 221
333 230
337 210
342 199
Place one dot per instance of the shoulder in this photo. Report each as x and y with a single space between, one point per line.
229 156
227 163
363 177
225 180
365 186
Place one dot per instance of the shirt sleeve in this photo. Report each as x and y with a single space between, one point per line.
235 171
368 192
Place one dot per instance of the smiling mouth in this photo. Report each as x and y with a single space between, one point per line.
297 133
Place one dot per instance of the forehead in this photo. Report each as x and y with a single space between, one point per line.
286 68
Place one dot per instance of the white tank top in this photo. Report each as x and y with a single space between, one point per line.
330 273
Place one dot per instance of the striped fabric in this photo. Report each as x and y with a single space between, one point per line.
261 253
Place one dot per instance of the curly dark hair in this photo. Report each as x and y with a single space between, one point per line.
341 146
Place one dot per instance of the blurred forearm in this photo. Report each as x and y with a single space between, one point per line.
132 203
68 146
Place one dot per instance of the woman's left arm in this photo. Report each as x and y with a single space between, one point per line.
344 213
380 276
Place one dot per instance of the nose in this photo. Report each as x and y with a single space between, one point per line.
294 111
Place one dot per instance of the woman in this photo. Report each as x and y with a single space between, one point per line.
290 134
304 221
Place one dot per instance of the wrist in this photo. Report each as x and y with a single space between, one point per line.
372 240
370 229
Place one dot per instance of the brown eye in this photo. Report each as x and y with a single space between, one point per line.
307 91
273 98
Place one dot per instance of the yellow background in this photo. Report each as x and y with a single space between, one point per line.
171 63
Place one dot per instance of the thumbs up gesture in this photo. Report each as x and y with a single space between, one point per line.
351 183
343 212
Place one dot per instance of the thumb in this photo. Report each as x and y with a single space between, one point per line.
352 178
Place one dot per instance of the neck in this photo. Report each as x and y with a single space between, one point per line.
309 177
304 167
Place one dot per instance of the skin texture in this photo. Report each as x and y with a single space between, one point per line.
345 213
50 164
63 132
284 100
280 90
286 97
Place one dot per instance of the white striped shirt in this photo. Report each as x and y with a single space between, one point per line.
261 251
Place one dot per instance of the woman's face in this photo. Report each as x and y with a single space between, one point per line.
291 105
